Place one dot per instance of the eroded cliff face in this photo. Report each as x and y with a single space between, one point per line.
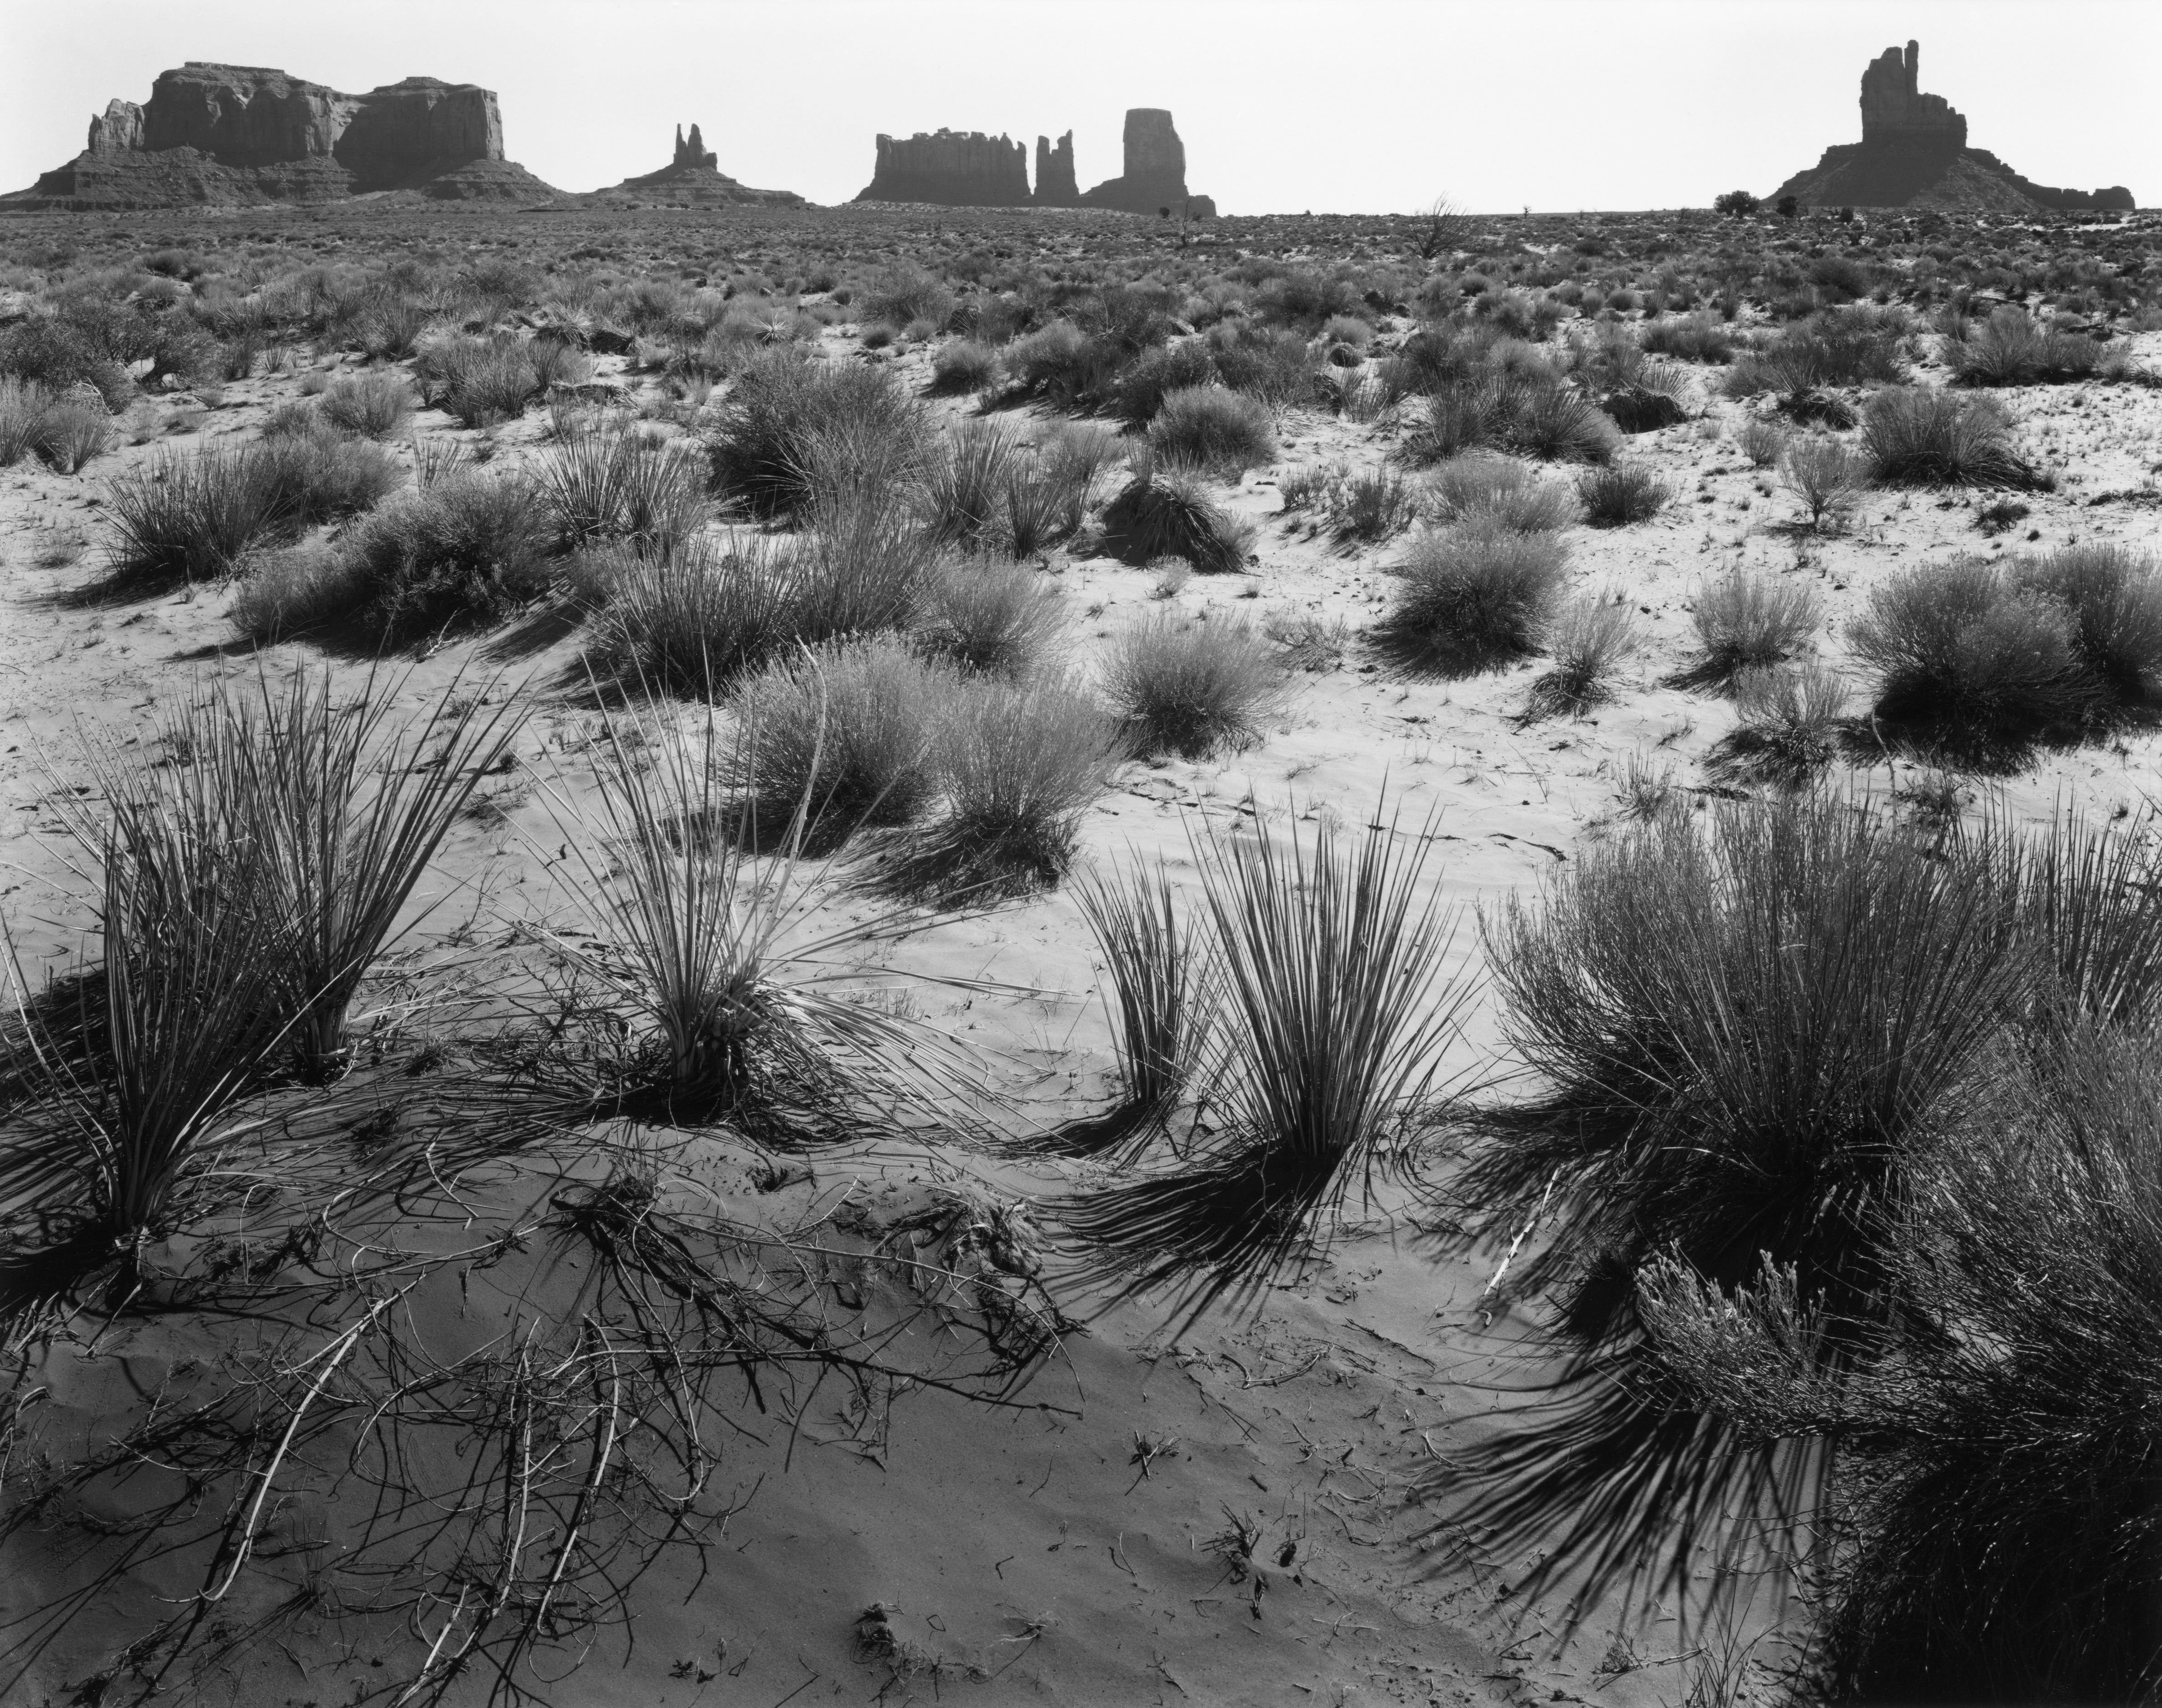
1055 186
1914 153
1154 180
951 169
217 132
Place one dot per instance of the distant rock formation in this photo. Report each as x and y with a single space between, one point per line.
1055 186
694 152
953 169
1154 180
247 134
693 179
1914 153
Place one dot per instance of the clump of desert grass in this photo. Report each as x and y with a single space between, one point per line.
1787 726
784 412
1984 659
1192 686
1914 435
1588 643
1750 1024
1213 428
2011 349
1826 476
624 485
999 618
1747 621
1501 494
1619 495
743 1002
853 727
1338 1013
1473 597
1163 1002
1165 511
1020 761
373 404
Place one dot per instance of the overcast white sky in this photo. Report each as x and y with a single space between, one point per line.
1343 106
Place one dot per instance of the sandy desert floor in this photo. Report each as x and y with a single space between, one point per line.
1068 1549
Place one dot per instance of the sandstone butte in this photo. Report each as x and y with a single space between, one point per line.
968 169
1914 153
692 179
250 134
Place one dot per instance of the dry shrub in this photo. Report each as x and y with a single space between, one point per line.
1474 598
1916 436
1165 511
1210 427
987 617
1190 686
1745 621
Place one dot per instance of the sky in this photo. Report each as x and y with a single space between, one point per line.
1285 105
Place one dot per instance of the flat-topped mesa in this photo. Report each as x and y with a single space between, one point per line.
1154 180
1055 186
252 133
951 168
1914 153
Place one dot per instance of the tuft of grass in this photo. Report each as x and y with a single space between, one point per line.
744 1004
2010 348
1156 374
964 367
22 405
191 518
480 381
785 405
1474 598
1916 436
375 404
1020 763
1616 496
1762 441
1788 727
1212 428
988 618
1747 621
1163 1002
1192 687
316 476
601 486
1499 492
2113 595
1338 1014
1588 642
965 489
852 726
1165 511
71 432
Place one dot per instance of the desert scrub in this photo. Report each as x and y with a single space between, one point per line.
469 551
186 517
1787 726
70 432
1857 345
1212 428
784 404
1982 662
1473 598
1165 511
964 367
1826 476
1916 436
22 406
479 381
1588 642
2009 348
375 404
1190 686
624 485
1745 621
1337 1026
1019 762
1501 493
1761 441
1156 374
2113 595
965 487
1750 1024
989 617
1615 497
851 726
